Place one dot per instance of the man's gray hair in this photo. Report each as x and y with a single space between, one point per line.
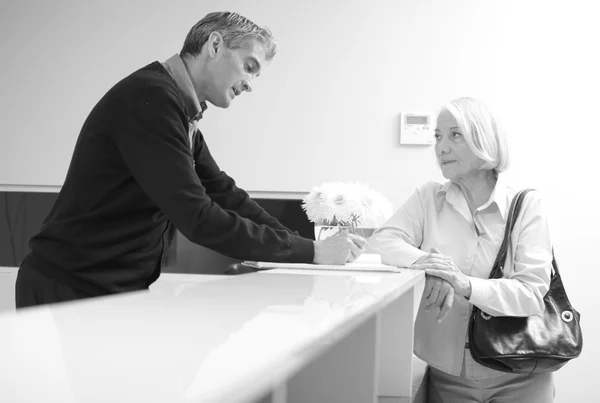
235 29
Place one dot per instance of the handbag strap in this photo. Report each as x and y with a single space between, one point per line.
513 214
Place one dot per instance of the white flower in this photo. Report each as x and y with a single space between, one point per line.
347 204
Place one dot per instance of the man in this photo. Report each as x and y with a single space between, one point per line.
142 169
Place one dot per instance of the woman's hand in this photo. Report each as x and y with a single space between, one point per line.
439 294
437 265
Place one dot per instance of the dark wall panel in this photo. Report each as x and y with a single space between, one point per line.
22 215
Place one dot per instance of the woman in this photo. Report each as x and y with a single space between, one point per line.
453 232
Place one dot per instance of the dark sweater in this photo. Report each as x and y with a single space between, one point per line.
133 180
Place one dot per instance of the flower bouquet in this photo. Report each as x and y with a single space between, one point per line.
350 207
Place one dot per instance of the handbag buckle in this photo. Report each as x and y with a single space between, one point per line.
486 316
567 316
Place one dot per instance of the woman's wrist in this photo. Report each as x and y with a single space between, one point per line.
468 289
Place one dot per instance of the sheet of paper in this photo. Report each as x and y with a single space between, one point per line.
367 263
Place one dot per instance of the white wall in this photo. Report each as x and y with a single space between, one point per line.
327 107
8 277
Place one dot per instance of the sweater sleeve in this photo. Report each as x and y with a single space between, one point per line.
153 144
222 189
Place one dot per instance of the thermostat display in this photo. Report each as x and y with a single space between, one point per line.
416 129
417 120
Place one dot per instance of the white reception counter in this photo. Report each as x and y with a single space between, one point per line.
275 336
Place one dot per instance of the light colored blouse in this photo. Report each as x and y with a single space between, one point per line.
437 216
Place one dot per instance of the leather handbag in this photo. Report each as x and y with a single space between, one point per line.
523 345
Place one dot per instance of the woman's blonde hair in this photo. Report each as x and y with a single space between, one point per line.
481 131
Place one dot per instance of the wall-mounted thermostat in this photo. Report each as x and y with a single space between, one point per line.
416 129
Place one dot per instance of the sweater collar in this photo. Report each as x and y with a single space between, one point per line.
193 106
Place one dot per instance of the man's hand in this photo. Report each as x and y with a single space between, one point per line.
437 265
339 249
439 294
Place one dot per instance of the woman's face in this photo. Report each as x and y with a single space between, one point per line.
454 156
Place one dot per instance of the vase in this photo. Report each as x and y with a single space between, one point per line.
324 231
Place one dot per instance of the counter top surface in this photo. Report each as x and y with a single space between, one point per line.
229 339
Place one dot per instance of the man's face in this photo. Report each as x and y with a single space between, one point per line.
232 72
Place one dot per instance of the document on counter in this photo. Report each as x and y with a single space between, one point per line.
365 262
